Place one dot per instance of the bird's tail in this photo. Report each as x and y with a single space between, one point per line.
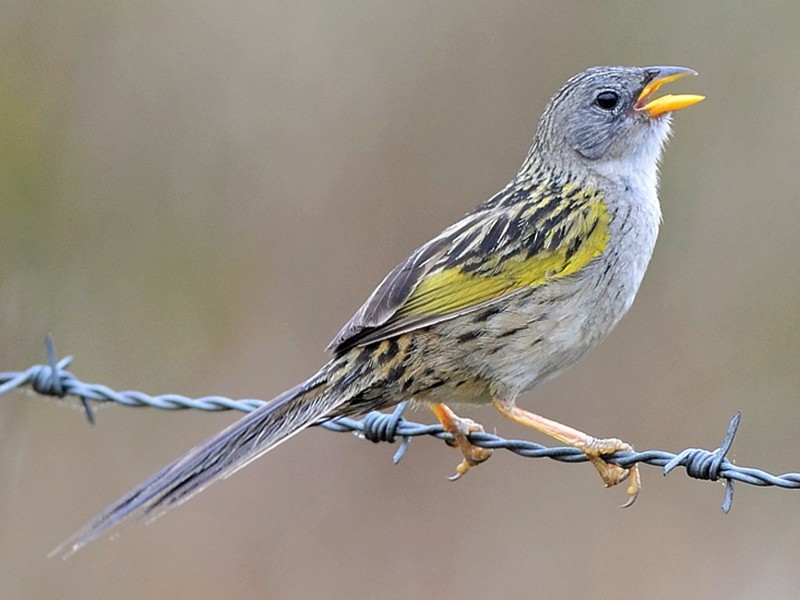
219 456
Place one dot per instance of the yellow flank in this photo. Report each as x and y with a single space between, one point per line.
452 289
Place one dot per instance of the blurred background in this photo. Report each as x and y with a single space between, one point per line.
196 195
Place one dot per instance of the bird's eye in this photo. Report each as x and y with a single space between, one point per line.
607 100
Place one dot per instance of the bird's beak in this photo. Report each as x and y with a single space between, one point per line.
670 102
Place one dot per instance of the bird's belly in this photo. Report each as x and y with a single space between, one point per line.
539 333
559 330
534 334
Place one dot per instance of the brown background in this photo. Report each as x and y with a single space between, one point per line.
196 195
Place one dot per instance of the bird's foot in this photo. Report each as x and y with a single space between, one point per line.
594 448
612 474
460 428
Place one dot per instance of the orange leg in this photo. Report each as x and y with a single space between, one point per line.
460 428
594 448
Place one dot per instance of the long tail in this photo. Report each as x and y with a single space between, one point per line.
219 456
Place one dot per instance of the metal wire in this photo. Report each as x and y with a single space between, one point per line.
53 379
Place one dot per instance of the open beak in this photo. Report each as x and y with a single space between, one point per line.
670 102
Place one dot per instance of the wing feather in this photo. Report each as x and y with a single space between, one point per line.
393 291
491 253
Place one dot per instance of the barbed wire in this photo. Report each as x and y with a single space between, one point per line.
53 379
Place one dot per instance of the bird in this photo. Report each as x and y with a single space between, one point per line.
506 298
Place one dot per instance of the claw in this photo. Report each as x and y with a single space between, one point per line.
462 468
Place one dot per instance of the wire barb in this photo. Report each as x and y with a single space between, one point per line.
53 379
702 464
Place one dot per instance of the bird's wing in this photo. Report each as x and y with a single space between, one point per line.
492 252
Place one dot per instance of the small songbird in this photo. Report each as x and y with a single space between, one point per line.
504 299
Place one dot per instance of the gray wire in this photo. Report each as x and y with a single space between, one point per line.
53 379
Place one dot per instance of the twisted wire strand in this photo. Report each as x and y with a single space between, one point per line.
53 379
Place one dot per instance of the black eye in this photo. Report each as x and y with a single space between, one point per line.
607 100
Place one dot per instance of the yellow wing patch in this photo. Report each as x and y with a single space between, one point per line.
452 289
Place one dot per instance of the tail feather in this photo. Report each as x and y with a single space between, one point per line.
220 456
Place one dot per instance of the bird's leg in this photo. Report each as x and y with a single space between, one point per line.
594 448
460 428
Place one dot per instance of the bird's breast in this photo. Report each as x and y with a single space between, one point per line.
537 333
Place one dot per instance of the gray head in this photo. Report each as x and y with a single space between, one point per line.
606 115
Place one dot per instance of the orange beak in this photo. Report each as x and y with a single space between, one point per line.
670 102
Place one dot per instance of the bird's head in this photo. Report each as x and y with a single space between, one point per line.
606 118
